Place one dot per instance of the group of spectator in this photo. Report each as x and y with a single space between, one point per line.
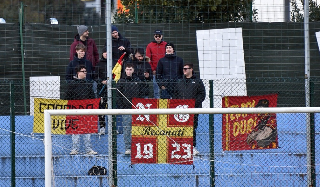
156 72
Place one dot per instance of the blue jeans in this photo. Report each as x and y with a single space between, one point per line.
155 88
94 88
76 142
127 126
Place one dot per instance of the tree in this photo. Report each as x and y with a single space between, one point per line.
176 11
298 11
39 11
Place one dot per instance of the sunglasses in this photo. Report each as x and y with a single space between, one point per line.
83 71
186 68
157 36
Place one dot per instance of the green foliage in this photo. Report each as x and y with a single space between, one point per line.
39 11
178 11
298 11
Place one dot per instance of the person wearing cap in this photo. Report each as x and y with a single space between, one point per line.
155 51
83 37
120 45
169 70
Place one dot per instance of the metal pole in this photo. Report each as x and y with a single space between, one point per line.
307 87
12 136
313 138
47 148
111 162
186 111
21 14
211 137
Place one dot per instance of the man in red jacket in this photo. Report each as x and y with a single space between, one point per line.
83 37
155 51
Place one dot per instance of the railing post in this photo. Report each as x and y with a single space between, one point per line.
211 136
312 138
114 140
12 136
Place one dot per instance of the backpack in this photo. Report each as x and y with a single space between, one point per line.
97 170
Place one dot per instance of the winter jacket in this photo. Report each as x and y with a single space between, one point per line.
71 72
190 88
155 51
79 89
116 53
170 67
140 67
101 70
130 87
101 74
92 52
169 70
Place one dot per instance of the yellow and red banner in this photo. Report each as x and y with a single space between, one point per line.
249 131
162 138
66 124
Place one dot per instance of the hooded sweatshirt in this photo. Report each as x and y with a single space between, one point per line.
92 52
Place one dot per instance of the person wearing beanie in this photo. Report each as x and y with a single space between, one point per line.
155 51
169 70
119 45
83 37
114 28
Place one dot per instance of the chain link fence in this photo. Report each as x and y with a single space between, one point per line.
150 162
159 152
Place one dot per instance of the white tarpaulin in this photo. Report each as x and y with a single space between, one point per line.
221 59
44 87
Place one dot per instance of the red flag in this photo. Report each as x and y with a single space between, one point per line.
116 71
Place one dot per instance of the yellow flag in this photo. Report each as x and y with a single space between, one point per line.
116 71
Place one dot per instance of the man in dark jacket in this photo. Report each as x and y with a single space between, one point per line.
169 70
101 77
83 38
80 88
191 87
142 68
128 88
79 59
119 45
